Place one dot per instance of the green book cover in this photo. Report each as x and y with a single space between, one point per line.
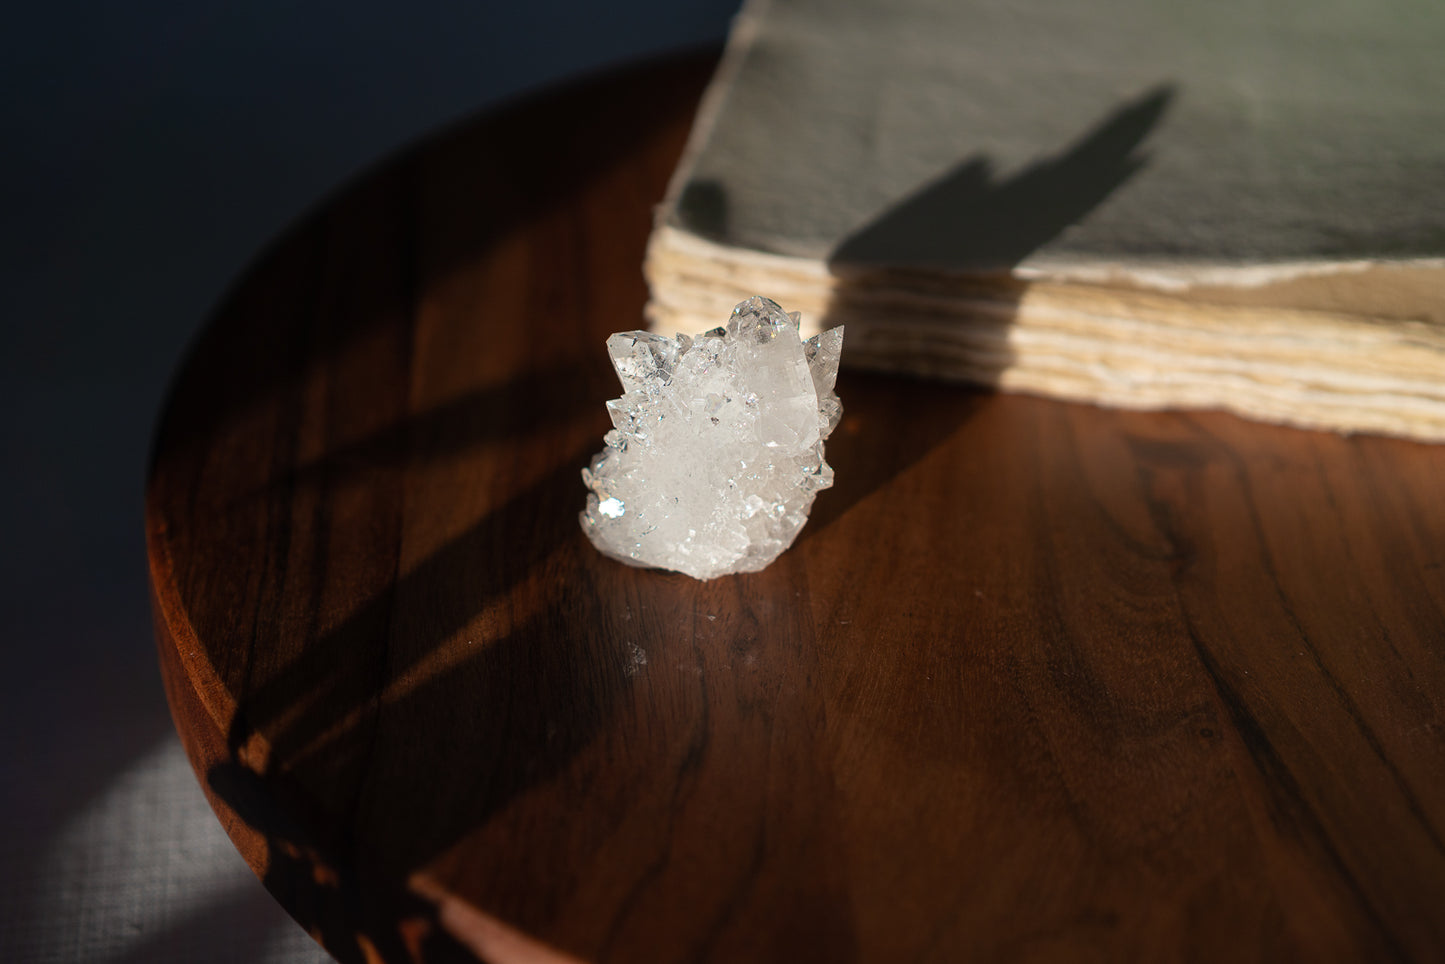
994 134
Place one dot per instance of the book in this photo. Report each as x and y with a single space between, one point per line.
1139 204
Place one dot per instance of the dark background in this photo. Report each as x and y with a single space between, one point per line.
149 149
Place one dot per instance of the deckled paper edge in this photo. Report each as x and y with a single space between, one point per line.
1164 276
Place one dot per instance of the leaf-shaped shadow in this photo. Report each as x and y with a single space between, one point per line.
967 221
974 229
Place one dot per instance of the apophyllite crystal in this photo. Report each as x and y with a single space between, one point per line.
717 447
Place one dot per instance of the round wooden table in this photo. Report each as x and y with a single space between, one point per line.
1038 681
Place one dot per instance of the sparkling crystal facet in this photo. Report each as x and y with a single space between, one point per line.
717 448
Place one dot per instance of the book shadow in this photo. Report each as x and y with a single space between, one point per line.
956 242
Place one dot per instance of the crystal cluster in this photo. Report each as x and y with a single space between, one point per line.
717 447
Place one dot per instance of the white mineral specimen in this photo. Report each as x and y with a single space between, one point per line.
717 450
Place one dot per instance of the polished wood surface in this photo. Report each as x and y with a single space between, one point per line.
1038 681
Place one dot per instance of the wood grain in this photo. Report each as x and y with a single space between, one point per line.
1039 681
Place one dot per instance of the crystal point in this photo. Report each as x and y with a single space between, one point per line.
640 357
717 450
